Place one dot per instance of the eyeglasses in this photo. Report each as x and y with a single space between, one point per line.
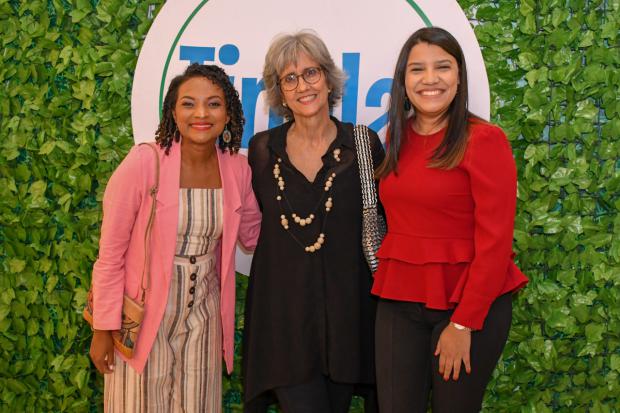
311 75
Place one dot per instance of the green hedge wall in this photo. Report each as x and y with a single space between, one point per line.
66 73
65 124
554 74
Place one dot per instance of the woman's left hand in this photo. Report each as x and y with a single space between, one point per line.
453 349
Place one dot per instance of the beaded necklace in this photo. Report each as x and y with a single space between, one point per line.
301 221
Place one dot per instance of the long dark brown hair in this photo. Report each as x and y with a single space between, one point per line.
452 148
167 130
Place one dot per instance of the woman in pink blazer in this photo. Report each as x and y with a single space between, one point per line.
205 204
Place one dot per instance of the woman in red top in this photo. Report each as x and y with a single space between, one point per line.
446 274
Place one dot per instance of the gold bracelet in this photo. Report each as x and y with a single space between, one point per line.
460 327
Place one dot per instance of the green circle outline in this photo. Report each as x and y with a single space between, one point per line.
412 3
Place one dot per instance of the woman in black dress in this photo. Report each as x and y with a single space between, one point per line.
308 334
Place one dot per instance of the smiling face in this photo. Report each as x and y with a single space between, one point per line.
431 79
200 111
306 100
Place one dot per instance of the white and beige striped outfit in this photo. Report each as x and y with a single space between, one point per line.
184 370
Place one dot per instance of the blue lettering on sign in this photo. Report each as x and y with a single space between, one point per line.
251 87
197 54
351 66
373 100
228 55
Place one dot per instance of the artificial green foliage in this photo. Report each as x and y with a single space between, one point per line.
554 72
66 73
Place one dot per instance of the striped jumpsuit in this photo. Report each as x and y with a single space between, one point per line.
184 370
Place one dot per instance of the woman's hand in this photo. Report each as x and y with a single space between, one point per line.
102 351
453 349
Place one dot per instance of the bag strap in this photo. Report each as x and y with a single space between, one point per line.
146 269
364 160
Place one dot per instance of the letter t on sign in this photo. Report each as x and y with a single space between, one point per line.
197 54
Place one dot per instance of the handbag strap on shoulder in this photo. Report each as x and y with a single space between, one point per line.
364 160
146 269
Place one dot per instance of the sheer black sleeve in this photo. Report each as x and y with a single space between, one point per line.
258 158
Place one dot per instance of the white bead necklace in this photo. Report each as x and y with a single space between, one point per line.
305 221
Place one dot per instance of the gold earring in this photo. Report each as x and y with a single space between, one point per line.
226 135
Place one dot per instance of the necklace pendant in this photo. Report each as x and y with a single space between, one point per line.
317 245
284 221
302 222
329 182
329 204
336 154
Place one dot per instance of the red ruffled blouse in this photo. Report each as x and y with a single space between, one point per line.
449 240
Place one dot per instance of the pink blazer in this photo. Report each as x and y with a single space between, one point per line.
126 208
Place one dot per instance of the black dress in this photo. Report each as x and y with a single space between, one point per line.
308 313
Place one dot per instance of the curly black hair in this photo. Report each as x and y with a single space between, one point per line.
167 130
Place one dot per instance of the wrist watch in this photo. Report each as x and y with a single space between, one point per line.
460 327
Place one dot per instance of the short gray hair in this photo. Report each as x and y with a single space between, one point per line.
284 50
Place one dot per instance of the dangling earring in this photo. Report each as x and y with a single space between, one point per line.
284 104
176 134
407 105
226 135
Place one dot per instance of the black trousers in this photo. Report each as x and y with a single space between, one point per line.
310 397
407 370
319 395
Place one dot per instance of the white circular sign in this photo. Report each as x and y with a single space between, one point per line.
363 36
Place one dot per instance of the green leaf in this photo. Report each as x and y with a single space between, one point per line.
586 110
614 362
529 25
527 60
594 332
80 378
32 327
16 265
51 283
536 75
527 7
567 277
581 313
560 321
4 311
47 148
37 189
587 39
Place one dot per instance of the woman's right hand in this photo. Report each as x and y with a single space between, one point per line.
102 351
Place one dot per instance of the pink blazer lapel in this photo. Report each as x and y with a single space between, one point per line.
232 197
168 205
231 217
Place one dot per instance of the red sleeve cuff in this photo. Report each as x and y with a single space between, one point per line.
472 310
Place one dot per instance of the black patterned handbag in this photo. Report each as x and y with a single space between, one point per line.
373 223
